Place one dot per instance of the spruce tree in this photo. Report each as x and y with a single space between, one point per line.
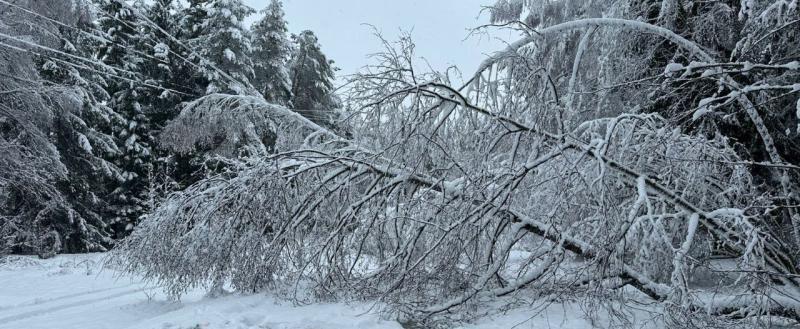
218 54
225 44
124 32
188 30
163 66
55 138
271 52
312 81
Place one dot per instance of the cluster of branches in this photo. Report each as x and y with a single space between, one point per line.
446 198
428 217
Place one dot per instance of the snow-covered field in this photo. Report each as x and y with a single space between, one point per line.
74 291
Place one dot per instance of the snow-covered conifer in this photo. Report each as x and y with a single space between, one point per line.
56 142
223 46
312 80
270 54
123 51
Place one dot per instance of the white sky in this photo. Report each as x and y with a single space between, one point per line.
438 27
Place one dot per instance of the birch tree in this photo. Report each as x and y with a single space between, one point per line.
449 199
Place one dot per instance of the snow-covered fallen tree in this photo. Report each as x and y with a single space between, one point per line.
446 199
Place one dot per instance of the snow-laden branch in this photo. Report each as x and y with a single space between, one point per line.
776 258
695 50
588 23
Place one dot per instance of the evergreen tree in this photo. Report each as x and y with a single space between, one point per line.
213 30
124 35
163 66
55 139
271 52
312 81
225 45
189 30
83 136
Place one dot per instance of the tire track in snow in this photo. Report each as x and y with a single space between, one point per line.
38 302
35 313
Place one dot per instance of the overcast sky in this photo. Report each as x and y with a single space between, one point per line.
438 27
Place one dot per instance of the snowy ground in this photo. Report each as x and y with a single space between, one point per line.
71 291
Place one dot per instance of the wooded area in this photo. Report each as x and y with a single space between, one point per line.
619 150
